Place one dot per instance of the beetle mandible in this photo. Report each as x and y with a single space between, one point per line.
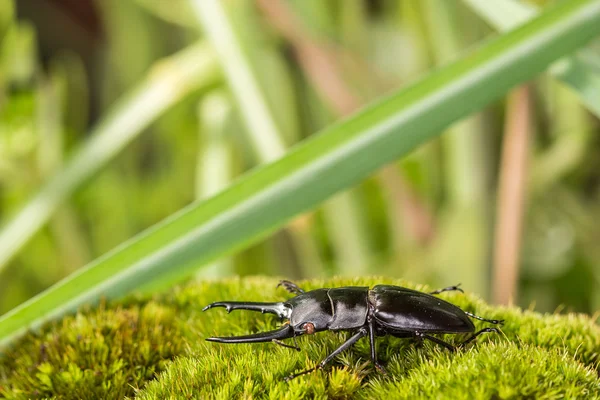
383 310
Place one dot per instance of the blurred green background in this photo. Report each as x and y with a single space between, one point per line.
434 217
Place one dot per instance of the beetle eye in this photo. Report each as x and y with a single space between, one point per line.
309 328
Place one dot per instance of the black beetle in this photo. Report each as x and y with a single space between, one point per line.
383 310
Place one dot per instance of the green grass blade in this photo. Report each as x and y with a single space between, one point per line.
580 71
166 84
335 159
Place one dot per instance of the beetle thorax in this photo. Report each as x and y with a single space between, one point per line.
329 309
312 307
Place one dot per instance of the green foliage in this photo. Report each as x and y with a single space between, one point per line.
67 143
498 370
153 348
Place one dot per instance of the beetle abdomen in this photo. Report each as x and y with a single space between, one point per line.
350 307
403 309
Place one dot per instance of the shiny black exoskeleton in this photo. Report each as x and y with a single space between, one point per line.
383 310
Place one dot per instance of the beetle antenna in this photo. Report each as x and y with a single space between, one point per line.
474 336
448 289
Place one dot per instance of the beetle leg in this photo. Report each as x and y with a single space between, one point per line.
448 289
289 346
448 345
372 336
278 309
491 321
290 287
361 333
436 340
418 341
484 330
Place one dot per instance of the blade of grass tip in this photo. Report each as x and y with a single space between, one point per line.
261 126
333 160
214 169
580 71
512 186
166 84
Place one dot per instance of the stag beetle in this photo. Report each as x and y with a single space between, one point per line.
383 310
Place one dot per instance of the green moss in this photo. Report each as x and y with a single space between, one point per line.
127 348
102 353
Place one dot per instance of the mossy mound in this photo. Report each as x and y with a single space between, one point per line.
154 348
102 353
